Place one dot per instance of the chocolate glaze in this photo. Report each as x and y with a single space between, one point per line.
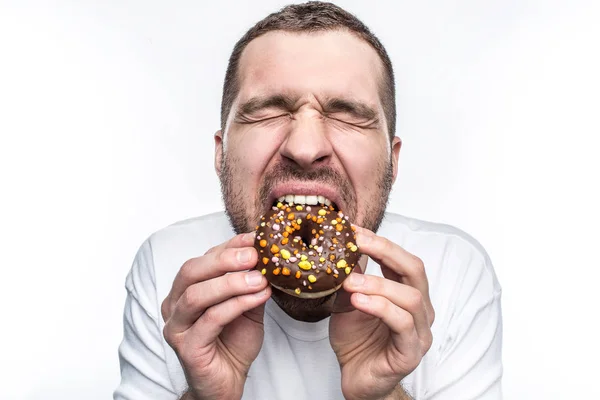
319 253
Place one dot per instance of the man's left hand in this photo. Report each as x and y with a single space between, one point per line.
385 337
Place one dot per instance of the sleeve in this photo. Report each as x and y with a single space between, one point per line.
470 360
144 372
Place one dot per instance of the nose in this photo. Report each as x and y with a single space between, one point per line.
307 144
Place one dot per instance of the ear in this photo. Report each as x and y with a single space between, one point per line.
218 151
396 145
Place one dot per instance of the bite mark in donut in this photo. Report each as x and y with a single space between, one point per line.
306 251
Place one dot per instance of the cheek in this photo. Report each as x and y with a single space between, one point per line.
251 154
362 160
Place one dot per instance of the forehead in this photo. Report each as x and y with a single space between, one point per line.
324 64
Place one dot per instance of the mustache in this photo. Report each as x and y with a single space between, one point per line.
283 172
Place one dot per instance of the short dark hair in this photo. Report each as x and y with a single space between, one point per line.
314 16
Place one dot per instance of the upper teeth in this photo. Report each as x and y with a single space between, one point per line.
305 199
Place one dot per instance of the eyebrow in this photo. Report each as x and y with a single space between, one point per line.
355 108
259 103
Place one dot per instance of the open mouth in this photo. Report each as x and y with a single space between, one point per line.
301 199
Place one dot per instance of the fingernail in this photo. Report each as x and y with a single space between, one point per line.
249 236
243 256
356 279
253 278
362 298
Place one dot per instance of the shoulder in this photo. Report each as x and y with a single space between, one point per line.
416 230
452 257
202 228
168 248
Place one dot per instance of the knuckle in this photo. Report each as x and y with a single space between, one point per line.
188 299
427 342
165 308
212 316
431 315
418 265
211 250
227 284
406 321
186 272
374 284
224 257
414 300
168 335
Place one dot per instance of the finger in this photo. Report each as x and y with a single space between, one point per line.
393 276
399 321
210 266
406 297
200 296
210 325
389 255
342 302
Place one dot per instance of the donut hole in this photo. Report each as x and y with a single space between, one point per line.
305 233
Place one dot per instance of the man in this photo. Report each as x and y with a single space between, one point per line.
308 109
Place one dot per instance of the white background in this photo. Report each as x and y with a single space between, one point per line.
107 112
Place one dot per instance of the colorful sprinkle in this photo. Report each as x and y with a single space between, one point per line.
305 265
285 254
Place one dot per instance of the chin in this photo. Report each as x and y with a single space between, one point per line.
304 309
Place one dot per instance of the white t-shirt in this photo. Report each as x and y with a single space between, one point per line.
296 360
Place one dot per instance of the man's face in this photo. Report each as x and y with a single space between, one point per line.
308 120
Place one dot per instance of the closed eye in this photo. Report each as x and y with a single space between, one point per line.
355 113
246 119
354 121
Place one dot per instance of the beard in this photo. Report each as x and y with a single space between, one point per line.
243 218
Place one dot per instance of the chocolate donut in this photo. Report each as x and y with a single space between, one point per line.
306 251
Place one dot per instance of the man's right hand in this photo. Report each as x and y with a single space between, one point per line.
214 319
